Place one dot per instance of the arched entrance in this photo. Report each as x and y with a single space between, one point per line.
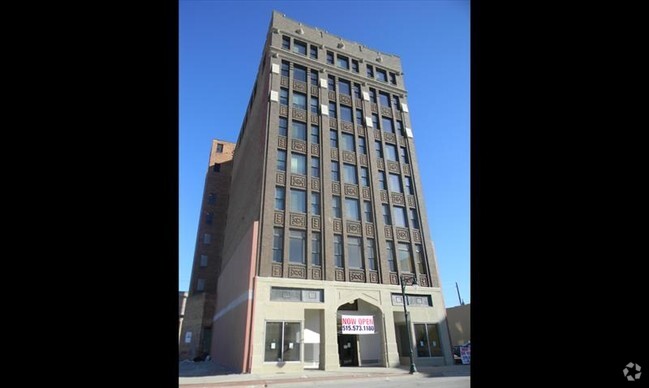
361 334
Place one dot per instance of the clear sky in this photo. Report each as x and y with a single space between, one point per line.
221 43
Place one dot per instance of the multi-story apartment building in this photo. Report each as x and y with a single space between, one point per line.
326 217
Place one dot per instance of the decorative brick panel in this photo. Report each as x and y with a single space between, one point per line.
408 278
340 275
377 134
298 181
389 137
315 222
388 232
402 234
298 145
363 159
315 184
358 102
406 169
297 220
349 157
354 227
333 123
369 230
411 200
315 150
375 108
402 140
297 272
380 164
280 178
314 118
385 111
384 196
281 142
283 81
338 225
316 274
351 190
366 193
357 276
345 99
423 280
397 199
276 270
332 95
416 236
299 86
394 279
335 187
314 91
283 110
392 166
279 218
347 126
299 114
334 154
374 277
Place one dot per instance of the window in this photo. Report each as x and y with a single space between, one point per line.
428 344
372 95
315 167
400 128
278 244
419 259
356 89
395 183
297 247
379 149
371 255
314 105
349 174
313 52
332 110
386 123
354 66
348 142
282 341
362 148
219 148
391 152
289 294
299 47
343 62
375 121
331 82
355 252
299 100
359 117
314 77
281 160
283 97
203 260
409 189
200 285
315 203
298 130
393 78
316 257
333 138
344 87
400 217
299 73
338 250
367 209
335 172
330 57
217 167
315 134
207 238
283 126
370 71
209 217
346 113
365 181
335 207
285 68
298 201
405 257
386 214
384 98
280 194
298 164
286 42
414 220
381 75
211 200
352 212
395 102
391 262
382 184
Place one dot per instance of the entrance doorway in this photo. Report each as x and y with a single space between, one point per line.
348 349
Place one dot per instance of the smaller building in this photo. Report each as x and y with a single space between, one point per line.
459 324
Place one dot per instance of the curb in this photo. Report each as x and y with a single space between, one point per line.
267 382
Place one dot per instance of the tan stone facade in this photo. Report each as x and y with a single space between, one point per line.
459 324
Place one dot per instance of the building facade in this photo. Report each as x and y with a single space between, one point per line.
459 324
326 217
196 329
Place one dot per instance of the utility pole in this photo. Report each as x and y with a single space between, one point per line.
458 294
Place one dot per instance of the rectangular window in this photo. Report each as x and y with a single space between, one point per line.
217 167
386 214
405 257
286 42
283 96
362 148
395 102
316 257
338 250
379 149
400 128
280 194
297 247
386 124
404 155
285 69
344 87
365 180
355 252
299 73
299 100
367 209
409 189
384 99
382 184
281 160
349 174
333 138
299 47
298 164
298 130
315 203
400 217
352 211
354 66
314 105
372 95
371 255
313 52
346 114
370 71
219 148
298 201
391 152
343 62
211 200
209 218
348 142
356 89
335 172
335 207
282 341
419 259
359 117
207 239
330 57
391 262
314 77
278 244
393 78
428 344
315 134
395 183
375 121
283 126
414 220
381 75
331 82
200 285
315 167
332 110
203 260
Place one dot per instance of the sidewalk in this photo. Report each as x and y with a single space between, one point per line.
308 376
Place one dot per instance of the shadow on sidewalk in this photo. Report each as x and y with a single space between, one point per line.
187 368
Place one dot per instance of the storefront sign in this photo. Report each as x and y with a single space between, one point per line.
357 324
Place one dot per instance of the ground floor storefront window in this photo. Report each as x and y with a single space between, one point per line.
427 335
282 341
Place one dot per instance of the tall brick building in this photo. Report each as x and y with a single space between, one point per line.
325 217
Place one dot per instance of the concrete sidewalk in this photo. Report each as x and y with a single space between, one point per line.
311 376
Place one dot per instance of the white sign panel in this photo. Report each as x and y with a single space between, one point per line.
357 324
188 337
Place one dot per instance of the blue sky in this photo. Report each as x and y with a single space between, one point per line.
221 44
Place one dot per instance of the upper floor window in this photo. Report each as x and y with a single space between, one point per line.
298 131
313 52
285 68
299 100
367 209
350 174
356 89
217 167
335 207
283 96
371 255
278 244
343 62
419 259
346 113
314 77
372 95
400 217
362 148
384 98
315 134
354 66
286 42
335 172
381 75
332 110
404 155
219 148
393 78
391 152
378 148
364 177
414 220
390 253
298 201
370 71
279 197
359 117
281 160
333 138
355 252
297 247
395 183
375 121
314 105
409 189
395 102
382 184
405 257
211 199
315 167
344 87
338 250
315 203
298 164
200 285
387 219
315 249
400 127
331 82
207 239
386 124
348 142
299 47
209 218
330 57
283 126
299 73
352 211
203 260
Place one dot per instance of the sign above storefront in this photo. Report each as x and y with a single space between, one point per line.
357 324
